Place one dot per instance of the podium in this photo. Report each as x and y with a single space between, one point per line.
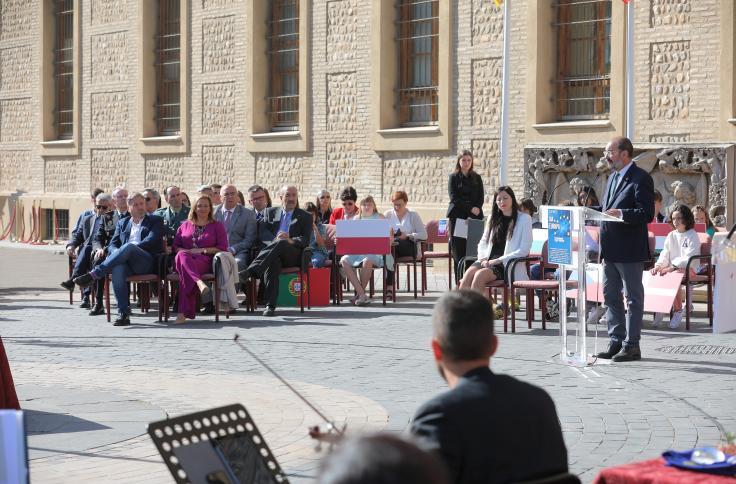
566 248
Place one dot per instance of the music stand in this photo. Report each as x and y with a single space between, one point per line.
219 445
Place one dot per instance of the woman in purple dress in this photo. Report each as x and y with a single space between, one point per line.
196 243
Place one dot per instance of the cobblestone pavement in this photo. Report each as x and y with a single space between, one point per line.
90 388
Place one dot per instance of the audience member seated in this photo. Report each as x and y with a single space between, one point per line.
240 225
175 213
349 209
205 190
507 235
185 199
153 200
120 200
701 217
320 254
286 231
134 248
680 244
89 211
81 244
408 229
216 196
488 428
381 459
197 241
526 205
324 206
258 200
658 217
349 263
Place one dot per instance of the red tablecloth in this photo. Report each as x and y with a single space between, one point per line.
8 397
655 471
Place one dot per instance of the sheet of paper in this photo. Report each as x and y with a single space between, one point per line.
461 228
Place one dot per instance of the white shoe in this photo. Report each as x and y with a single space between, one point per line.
658 317
595 315
363 301
676 319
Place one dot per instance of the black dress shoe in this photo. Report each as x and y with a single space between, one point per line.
208 308
627 354
122 320
269 312
84 280
85 304
613 349
68 285
97 310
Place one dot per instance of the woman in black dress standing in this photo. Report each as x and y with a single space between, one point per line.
466 199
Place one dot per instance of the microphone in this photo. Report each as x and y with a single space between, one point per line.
549 196
592 187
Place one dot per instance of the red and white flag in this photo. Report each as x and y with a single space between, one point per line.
363 237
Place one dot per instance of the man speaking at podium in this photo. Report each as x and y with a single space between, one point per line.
625 248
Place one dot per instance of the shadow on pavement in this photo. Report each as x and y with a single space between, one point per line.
38 422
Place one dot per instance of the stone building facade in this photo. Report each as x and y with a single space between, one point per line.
684 109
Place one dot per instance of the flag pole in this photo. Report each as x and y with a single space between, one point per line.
629 70
504 145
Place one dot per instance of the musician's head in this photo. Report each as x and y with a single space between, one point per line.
463 336
381 459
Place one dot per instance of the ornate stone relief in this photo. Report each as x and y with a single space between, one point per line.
683 174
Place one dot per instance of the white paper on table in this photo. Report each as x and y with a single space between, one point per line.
461 228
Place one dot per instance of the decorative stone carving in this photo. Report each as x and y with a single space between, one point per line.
109 113
217 3
670 80
15 19
342 104
682 174
487 22
60 176
109 167
670 12
110 55
487 78
165 171
342 30
486 153
218 44
669 138
423 178
218 108
15 68
16 120
14 169
218 164
107 11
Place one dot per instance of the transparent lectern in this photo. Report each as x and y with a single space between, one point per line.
573 330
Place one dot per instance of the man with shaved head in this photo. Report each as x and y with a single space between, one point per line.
175 214
629 196
240 225
286 231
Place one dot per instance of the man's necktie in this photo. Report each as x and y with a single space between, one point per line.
612 189
259 216
227 219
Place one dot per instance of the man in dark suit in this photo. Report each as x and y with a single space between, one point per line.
286 231
134 248
82 244
487 428
625 249
173 215
240 224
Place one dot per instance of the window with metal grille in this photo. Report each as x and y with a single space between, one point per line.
168 90
418 40
283 53
63 69
57 224
583 59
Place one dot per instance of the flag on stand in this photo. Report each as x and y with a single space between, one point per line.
498 2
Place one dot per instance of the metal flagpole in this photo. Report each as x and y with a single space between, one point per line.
629 70
504 148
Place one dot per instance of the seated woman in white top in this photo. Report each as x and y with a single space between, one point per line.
408 229
508 235
680 244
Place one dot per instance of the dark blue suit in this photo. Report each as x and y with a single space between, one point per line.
624 251
83 238
126 259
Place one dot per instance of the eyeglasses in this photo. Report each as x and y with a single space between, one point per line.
610 152
101 207
230 194
348 204
324 196
255 199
